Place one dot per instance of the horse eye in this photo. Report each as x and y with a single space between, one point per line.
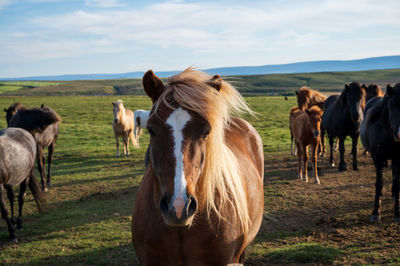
205 135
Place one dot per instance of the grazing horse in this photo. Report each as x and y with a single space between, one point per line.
305 125
44 139
123 125
141 117
342 117
372 91
17 158
201 198
380 135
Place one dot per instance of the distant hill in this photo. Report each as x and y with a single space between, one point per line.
271 84
373 63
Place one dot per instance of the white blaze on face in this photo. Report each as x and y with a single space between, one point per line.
177 120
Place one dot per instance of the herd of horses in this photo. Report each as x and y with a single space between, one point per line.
359 111
201 198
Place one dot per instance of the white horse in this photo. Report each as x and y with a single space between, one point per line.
141 117
123 125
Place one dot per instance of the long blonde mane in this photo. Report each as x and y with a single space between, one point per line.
222 181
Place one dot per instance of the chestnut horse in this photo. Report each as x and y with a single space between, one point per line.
380 135
372 91
123 126
201 198
306 98
306 128
141 117
45 139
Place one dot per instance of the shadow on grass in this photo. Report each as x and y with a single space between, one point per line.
64 215
117 255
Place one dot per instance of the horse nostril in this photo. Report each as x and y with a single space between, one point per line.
192 206
164 206
316 133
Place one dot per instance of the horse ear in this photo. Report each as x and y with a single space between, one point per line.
389 90
215 82
297 93
346 87
152 85
364 86
113 103
42 106
5 110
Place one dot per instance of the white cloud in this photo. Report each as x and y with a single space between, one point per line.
255 33
103 3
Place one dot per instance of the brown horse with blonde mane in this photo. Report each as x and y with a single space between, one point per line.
201 198
306 128
306 98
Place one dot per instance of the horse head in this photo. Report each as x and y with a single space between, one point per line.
372 91
303 98
353 97
118 109
178 141
314 114
10 111
393 108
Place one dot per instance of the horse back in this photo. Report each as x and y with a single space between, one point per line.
17 155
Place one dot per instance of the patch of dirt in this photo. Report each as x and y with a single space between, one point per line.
335 213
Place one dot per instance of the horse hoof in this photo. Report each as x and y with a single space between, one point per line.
375 218
342 168
355 168
396 219
317 182
117 155
44 189
48 184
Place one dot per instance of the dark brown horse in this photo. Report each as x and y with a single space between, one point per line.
201 198
17 158
380 135
342 117
305 125
45 139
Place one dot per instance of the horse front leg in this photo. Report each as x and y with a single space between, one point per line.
305 160
396 188
126 143
300 156
331 139
21 203
322 149
375 216
49 160
342 164
4 215
10 195
314 162
354 142
40 159
117 144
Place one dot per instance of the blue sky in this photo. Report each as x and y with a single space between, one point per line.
52 37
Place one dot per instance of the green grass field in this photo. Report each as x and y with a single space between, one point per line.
88 212
255 85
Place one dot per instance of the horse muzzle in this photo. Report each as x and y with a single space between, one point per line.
116 121
396 135
178 212
316 133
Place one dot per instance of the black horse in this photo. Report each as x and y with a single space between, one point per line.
380 134
342 117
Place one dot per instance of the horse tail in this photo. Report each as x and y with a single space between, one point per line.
134 140
37 192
